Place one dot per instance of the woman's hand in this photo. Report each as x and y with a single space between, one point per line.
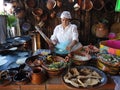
69 48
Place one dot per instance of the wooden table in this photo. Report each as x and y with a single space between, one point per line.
54 83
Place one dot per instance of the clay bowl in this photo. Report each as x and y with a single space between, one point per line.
54 69
21 78
108 64
34 61
5 78
5 81
81 60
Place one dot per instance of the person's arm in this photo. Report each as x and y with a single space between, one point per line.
53 39
69 47
74 37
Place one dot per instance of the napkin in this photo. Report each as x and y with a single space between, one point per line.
117 82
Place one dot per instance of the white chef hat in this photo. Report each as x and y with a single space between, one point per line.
66 14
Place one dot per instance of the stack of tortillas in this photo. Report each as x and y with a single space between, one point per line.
22 56
3 60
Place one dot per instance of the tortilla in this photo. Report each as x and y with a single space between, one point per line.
3 62
21 60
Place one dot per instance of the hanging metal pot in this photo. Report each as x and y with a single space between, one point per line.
100 30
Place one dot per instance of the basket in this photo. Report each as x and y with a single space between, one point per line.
108 63
107 67
110 46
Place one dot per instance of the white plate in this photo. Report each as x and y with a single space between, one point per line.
21 60
22 54
13 48
82 58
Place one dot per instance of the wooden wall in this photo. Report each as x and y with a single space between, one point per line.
84 18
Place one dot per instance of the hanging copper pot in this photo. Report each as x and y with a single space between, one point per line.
59 3
50 4
87 5
37 12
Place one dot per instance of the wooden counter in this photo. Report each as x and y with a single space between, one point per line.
54 83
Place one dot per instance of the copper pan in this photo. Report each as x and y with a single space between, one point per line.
87 5
37 12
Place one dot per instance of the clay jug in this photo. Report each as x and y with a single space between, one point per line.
37 76
101 30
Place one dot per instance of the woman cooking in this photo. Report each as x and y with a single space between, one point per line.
65 36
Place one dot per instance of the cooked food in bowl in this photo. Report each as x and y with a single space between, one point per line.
54 65
54 62
34 61
82 58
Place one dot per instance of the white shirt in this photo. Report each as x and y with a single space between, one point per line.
68 34
64 37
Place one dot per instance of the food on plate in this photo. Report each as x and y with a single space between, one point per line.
83 77
36 62
82 58
91 49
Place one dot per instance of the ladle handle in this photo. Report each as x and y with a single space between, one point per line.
43 35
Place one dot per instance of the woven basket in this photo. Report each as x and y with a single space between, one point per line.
110 46
107 67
